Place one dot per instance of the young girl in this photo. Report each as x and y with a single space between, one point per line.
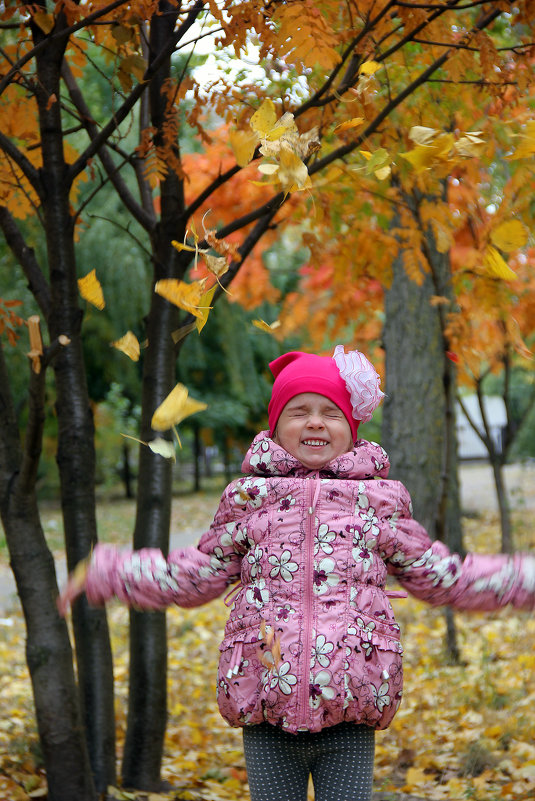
311 657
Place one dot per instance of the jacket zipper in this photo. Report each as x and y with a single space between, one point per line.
309 589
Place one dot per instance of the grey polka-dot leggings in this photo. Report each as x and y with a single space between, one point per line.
339 758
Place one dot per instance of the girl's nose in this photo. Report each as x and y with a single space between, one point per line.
315 421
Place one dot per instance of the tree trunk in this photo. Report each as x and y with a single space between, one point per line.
419 412
76 454
48 649
197 456
503 504
147 703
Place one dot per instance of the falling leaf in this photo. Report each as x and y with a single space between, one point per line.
496 266
129 345
355 122
293 173
268 169
182 246
243 144
218 265
91 290
163 448
369 68
205 307
267 327
183 331
421 135
470 145
185 296
509 236
176 406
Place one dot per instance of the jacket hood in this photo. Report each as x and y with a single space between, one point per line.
266 458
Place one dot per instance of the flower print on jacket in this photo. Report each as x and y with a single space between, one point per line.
320 652
324 576
324 539
367 513
380 696
320 688
255 560
283 567
261 457
285 504
280 677
363 550
250 493
284 612
257 593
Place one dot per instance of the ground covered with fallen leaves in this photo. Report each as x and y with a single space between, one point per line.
463 732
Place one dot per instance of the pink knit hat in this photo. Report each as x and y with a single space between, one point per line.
348 379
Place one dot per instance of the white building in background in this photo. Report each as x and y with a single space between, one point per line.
470 445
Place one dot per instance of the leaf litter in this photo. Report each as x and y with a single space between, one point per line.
463 731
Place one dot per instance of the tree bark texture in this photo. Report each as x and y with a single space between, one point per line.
147 702
419 412
75 454
48 649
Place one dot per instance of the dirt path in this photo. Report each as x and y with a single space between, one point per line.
477 495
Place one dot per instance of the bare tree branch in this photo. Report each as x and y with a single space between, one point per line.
146 220
26 258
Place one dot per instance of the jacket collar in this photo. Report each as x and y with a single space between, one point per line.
266 458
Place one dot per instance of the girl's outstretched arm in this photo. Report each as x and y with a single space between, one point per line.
429 571
147 580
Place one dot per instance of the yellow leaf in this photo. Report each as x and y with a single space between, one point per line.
527 142
369 67
182 246
509 235
218 265
470 145
415 777
243 144
91 290
163 448
355 122
264 118
367 155
495 265
421 135
268 169
293 173
421 157
269 328
45 21
205 307
383 172
176 406
129 345
185 296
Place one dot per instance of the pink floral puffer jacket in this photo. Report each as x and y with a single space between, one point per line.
311 639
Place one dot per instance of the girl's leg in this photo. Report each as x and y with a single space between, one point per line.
343 766
277 767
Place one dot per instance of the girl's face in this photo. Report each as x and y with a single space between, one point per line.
313 429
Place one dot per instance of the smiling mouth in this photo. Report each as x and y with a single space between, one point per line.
315 442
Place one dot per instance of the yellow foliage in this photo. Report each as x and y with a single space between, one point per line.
304 35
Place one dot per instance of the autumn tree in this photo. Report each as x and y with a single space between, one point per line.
319 123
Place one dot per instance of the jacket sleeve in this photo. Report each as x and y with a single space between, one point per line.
429 571
188 577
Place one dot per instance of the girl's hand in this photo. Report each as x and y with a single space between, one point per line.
74 587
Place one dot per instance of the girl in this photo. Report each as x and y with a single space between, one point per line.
310 662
